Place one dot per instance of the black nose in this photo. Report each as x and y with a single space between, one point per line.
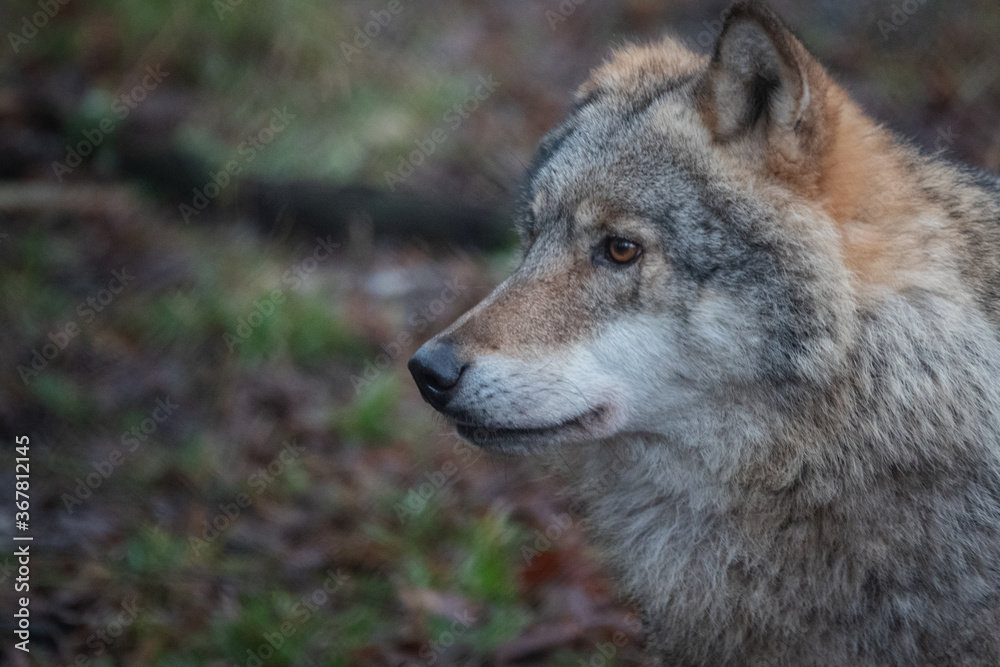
437 370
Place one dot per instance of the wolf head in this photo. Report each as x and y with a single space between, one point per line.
694 238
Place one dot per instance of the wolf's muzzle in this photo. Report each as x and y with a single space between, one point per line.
437 370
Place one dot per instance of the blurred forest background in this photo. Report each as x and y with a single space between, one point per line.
224 227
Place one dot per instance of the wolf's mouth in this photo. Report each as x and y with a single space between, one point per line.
525 439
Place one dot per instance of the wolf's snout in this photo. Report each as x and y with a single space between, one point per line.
436 369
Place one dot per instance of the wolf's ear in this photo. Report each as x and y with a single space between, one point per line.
759 75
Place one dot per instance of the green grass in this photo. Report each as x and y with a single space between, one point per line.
194 462
369 417
351 120
184 330
61 396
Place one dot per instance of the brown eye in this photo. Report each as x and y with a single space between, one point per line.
621 251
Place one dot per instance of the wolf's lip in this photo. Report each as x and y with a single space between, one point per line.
519 437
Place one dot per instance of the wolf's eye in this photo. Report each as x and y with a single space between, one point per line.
621 251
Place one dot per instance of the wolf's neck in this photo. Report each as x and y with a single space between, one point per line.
882 215
653 510
859 177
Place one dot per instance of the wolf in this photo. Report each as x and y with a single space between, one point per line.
758 336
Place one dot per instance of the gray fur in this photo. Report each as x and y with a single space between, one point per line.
814 475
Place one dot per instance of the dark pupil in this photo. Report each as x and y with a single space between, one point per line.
622 248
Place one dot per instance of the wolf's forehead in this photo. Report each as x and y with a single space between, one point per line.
600 153
588 153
